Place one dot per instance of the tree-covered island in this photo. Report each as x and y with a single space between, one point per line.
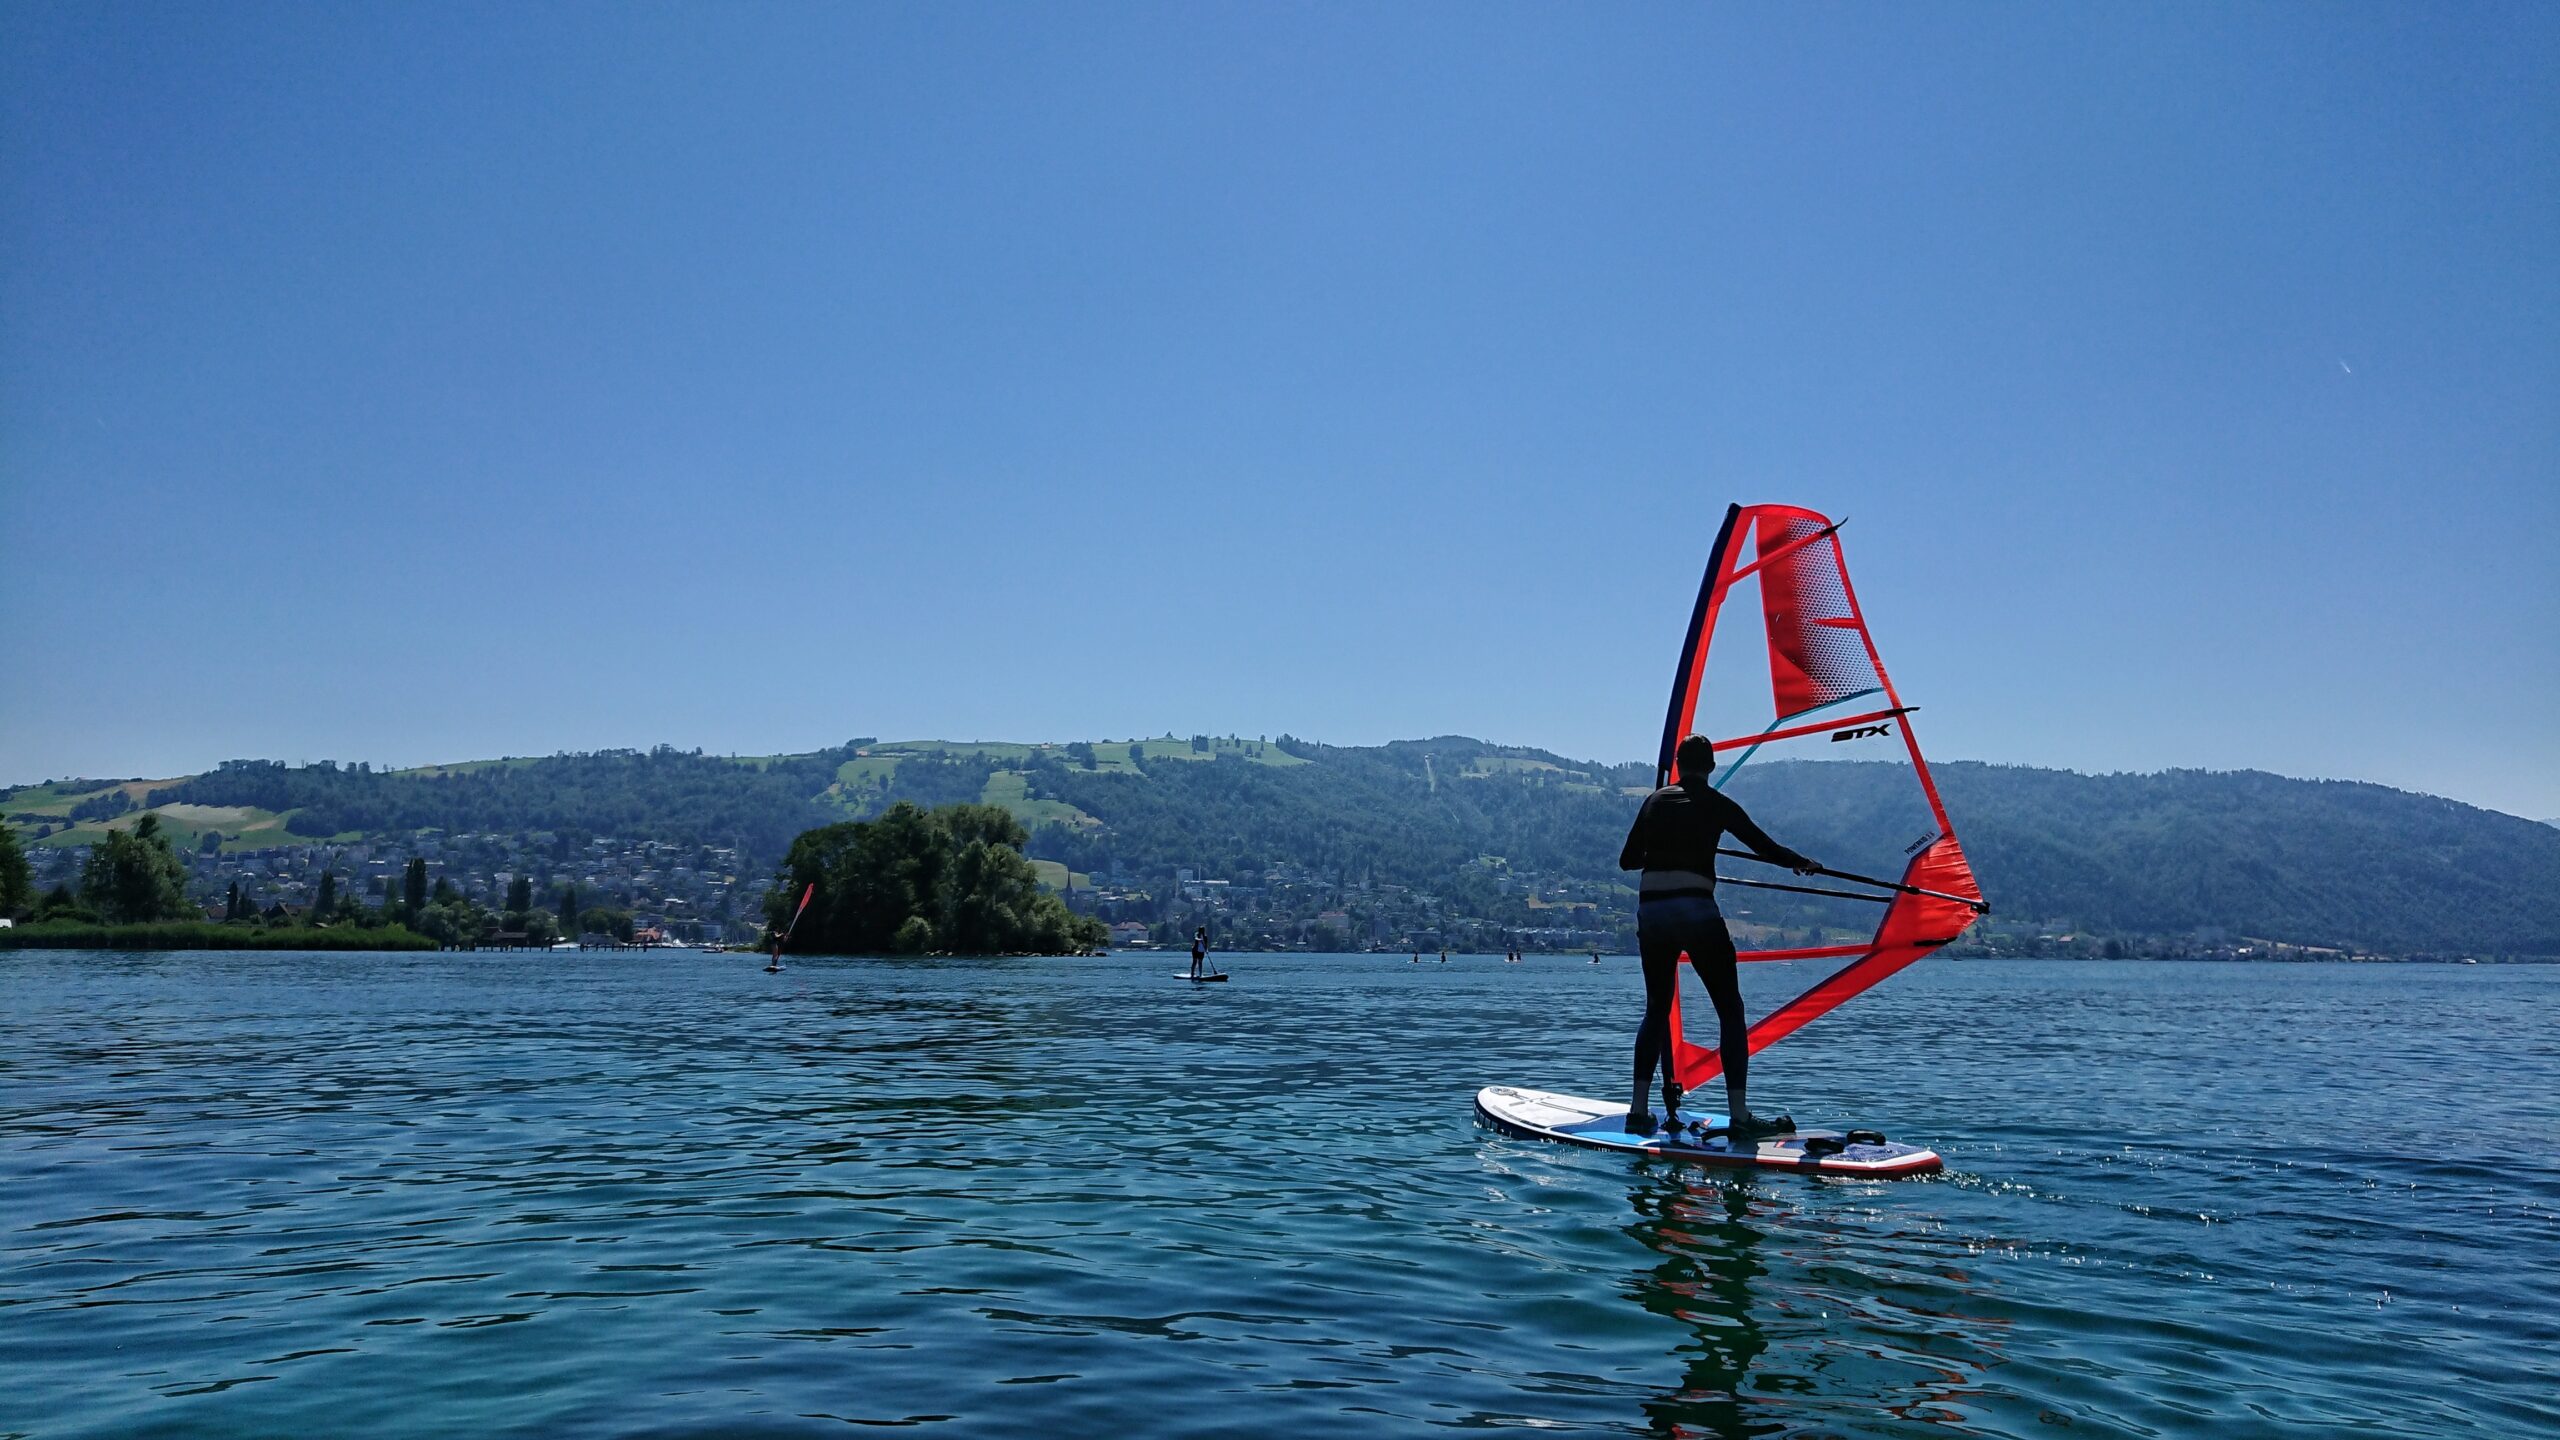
947 881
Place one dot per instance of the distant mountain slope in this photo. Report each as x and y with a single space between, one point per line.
755 803
2303 861
2313 861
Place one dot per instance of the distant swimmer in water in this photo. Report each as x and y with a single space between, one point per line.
1200 951
1674 843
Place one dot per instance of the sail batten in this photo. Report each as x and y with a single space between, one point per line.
1794 731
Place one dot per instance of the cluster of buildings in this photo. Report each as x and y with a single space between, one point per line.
1287 907
696 893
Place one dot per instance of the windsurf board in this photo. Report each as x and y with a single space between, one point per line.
1602 1124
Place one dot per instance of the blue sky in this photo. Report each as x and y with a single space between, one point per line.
420 383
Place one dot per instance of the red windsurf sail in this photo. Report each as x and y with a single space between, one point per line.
1827 764
805 897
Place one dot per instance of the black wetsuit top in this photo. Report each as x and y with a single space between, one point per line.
1675 836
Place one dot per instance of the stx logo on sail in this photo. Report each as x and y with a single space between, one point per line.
1860 733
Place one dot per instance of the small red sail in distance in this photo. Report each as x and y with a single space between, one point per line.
805 897
1829 699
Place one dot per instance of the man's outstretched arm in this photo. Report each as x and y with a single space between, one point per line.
1741 825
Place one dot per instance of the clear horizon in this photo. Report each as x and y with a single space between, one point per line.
413 385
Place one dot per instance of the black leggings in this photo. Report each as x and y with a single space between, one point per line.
1710 946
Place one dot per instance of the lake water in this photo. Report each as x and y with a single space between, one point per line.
669 1195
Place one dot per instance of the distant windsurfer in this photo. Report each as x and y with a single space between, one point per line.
1674 843
782 937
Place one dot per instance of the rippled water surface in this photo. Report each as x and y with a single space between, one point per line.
673 1195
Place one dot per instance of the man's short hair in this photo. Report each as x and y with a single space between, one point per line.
1696 757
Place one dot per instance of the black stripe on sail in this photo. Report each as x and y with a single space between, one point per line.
1697 641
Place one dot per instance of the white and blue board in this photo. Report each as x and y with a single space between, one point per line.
1209 979
1601 1124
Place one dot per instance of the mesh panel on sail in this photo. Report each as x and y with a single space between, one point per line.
1817 655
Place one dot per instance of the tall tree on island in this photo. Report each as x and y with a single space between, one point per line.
520 894
569 909
17 888
327 899
413 886
134 876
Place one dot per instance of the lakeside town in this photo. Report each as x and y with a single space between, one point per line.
644 891
660 893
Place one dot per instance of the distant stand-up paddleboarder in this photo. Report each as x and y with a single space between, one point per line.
1199 950
1674 843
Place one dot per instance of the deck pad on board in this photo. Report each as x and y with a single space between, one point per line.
1546 1115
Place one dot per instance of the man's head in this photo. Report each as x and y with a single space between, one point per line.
1696 758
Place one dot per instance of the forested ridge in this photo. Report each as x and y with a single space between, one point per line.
2303 861
663 794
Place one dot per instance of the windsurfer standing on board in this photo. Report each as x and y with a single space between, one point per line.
1674 843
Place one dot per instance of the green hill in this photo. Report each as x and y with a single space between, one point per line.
1502 834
